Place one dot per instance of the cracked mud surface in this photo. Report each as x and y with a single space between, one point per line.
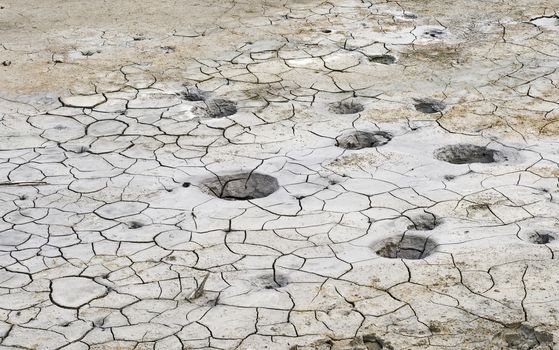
172 176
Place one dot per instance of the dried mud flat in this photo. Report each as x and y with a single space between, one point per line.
279 174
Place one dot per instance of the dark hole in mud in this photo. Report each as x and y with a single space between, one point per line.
168 49
372 342
193 94
347 107
326 31
410 247
468 153
135 225
242 186
275 281
524 337
429 106
541 237
186 184
424 222
434 33
383 59
363 139
83 149
220 108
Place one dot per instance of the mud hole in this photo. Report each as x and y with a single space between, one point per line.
347 107
242 186
523 337
407 246
363 139
468 153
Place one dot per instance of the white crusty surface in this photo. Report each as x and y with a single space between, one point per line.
289 174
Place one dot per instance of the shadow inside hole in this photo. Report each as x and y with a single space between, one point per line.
434 33
407 246
542 237
242 186
135 225
274 282
429 106
382 59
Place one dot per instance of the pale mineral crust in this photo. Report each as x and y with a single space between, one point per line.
291 174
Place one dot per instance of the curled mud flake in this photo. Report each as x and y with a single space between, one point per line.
429 106
193 94
545 21
424 222
468 153
242 186
363 139
382 59
410 247
372 342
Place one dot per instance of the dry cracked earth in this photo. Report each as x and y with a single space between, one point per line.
289 174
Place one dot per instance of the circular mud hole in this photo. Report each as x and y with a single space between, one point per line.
540 237
410 247
363 139
434 33
382 59
242 186
429 106
346 107
467 153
